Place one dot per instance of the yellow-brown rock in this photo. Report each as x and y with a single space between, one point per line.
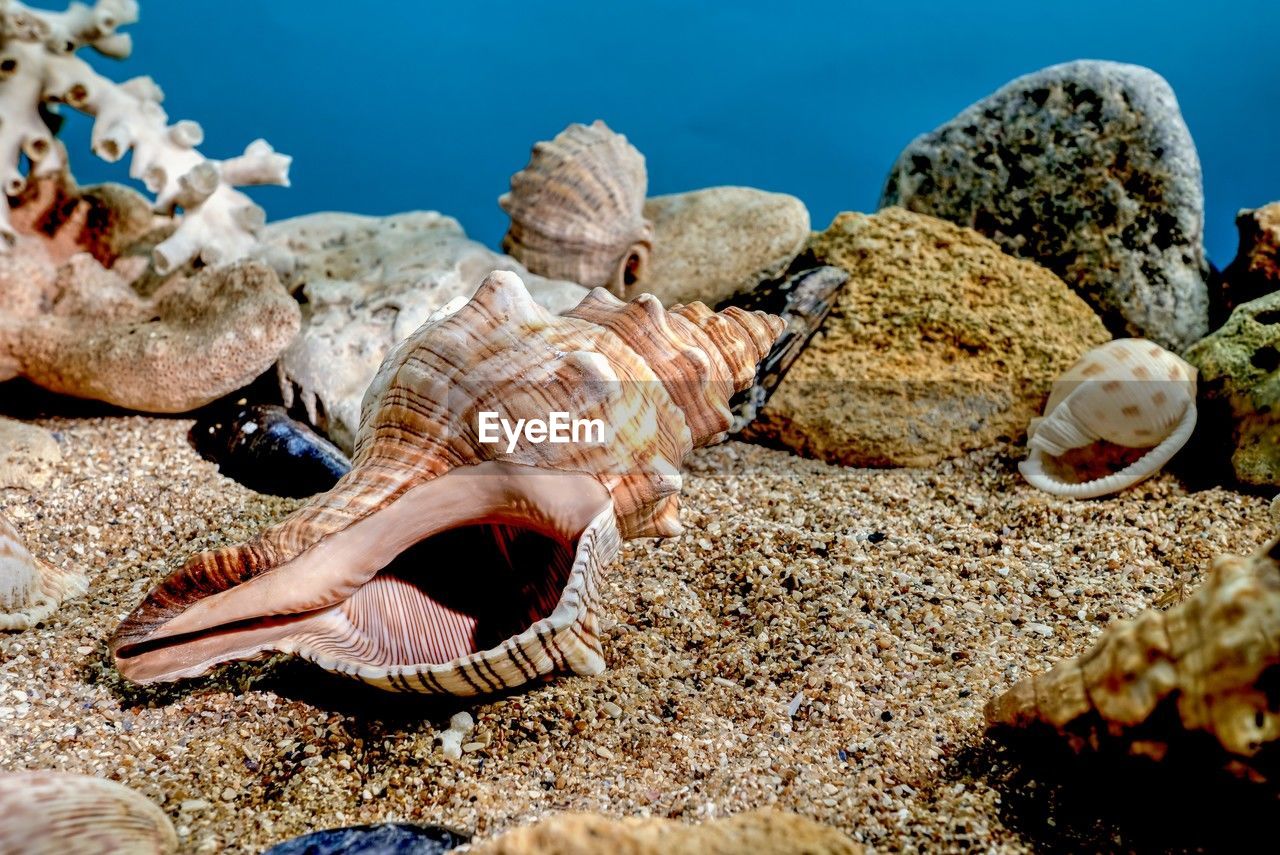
939 344
587 834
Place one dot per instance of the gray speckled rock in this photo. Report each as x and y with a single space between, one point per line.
711 244
1089 169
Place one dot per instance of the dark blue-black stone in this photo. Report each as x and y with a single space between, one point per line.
388 838
264 449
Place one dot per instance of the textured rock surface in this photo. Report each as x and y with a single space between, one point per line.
1239 368
366 284
80 329
1088 168
939 344
711 244
28 455
1255 271
755 832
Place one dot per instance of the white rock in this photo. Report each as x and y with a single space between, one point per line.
368 282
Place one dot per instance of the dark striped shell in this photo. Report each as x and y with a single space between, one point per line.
577 210
442 563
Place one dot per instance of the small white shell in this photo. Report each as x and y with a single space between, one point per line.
577 210
1129 392
53 813
30 589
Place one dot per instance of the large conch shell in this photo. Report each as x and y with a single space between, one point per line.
1130 393
54 813
577 210
1213 661
441 563
30 589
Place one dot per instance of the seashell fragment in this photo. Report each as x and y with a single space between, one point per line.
53 813
577 210
445 563
1210 663
265 450
30 589
1123 395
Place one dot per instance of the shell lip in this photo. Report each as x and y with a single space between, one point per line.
341 581
1037 473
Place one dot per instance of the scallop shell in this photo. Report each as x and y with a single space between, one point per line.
52 813
1129 393
577 210
444 564
30 589
1211 660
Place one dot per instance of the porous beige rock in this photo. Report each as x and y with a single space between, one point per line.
366 284
80 329
754 832
28 455
712 244
938 344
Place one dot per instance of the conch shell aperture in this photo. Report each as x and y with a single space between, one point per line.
444 564
1129 393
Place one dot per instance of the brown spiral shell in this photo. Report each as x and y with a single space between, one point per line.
577 210
327 583
1211 661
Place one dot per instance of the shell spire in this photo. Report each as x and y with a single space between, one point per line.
1211 659
359 580
577 210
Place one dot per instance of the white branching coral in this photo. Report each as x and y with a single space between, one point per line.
39 70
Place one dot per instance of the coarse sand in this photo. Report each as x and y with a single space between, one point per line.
819 639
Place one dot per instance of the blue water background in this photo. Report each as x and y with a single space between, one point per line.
399 105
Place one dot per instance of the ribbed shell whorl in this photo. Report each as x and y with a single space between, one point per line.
577 210
659 381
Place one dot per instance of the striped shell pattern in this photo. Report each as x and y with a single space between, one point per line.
444 563
577 210
30 589
57 813
1127 394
